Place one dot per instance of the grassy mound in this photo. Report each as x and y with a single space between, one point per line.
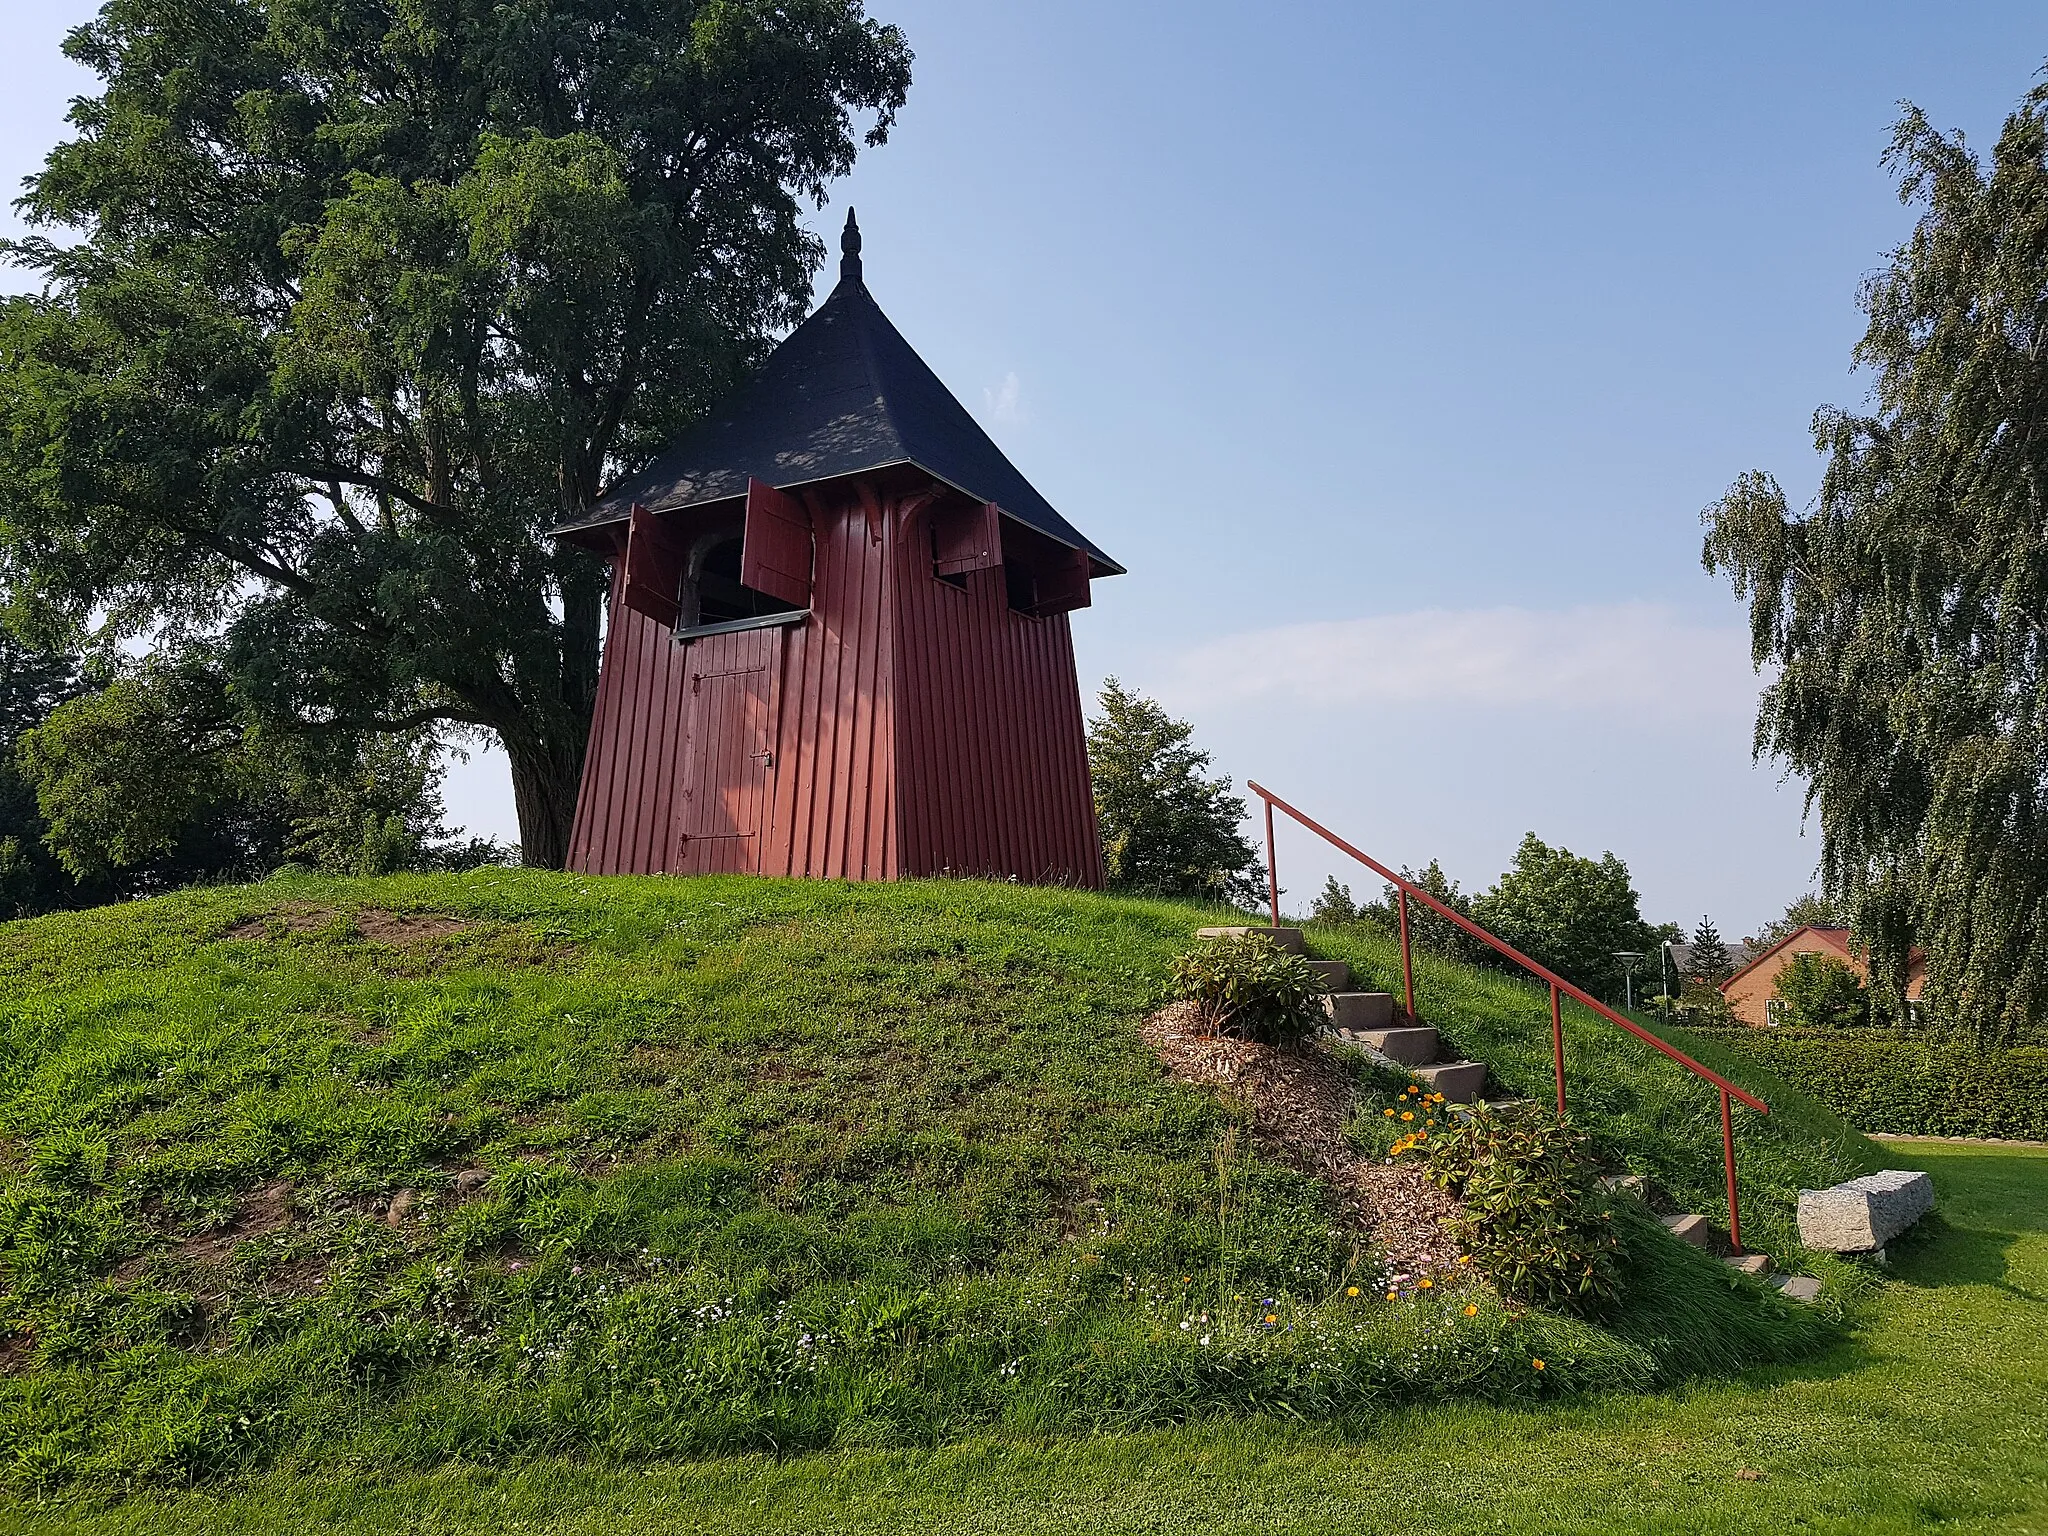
382 1173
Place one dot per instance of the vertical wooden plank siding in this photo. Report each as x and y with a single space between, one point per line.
992 763
916 727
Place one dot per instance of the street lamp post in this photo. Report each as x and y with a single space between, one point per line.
1628 959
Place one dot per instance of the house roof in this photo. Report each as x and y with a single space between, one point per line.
843 393
1836 938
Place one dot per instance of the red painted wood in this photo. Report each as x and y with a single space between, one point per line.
654 568
775 550
916 726
967 537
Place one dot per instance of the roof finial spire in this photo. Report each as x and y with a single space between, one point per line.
849 251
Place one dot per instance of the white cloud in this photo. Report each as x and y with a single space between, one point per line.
1005 402
1627 658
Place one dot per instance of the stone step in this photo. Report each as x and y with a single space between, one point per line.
1693 1229
1757 1264
1413 1047
1458 1081
1361 1011
1797 1287
1288 939
1336 975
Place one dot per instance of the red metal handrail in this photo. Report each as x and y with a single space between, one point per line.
1559 987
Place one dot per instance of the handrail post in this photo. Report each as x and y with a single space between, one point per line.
1728 1160
1407 959
1272 867
1557 1043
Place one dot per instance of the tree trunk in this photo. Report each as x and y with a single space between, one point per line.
544 786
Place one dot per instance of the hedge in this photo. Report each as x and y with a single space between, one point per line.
1908 1084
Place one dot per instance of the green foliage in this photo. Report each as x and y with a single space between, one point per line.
1533 1216
362 298
1900 619
1821 992
153 781
1249 987
32 684
429 1169
1427 929
1167 828
1569 913
1334 904
1907 1084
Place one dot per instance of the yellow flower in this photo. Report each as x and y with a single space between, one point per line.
1464 1258
1537 1363
1388 1113
1407 1114
1471 1311
1392 1294
1426 1282
1350 1290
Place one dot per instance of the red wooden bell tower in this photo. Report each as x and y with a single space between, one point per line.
838 641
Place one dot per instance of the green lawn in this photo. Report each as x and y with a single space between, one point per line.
1929 1418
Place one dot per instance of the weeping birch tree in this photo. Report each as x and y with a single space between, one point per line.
1903 613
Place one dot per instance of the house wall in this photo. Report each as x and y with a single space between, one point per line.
1749 994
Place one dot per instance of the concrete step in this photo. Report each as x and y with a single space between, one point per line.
1696 1230
1336 974
1458 1081
1756 1264
1288 939
1797 1287
1360 1011
1413 1047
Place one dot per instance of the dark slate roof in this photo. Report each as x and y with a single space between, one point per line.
843 393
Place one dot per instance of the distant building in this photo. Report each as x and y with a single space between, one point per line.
1678 962
1752 990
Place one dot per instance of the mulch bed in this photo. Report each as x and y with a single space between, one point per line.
1299 1103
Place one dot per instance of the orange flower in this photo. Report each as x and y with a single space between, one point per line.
1426 1282
1407 1114
1537 1363
1272 1317
1388 1113
1471 1311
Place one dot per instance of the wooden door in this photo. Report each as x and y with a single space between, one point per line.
727 765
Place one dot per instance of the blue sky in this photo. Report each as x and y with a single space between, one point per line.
1396 349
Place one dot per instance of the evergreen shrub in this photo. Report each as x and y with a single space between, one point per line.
1247 986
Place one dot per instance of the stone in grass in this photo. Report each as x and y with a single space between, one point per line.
1864 1213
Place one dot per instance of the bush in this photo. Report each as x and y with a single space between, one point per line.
1532 1214
1249 987
1821 992
1913 1085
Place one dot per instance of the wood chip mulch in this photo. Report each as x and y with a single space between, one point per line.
1298 1103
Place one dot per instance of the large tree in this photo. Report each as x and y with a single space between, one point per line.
1570 913
345 301
1906 611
